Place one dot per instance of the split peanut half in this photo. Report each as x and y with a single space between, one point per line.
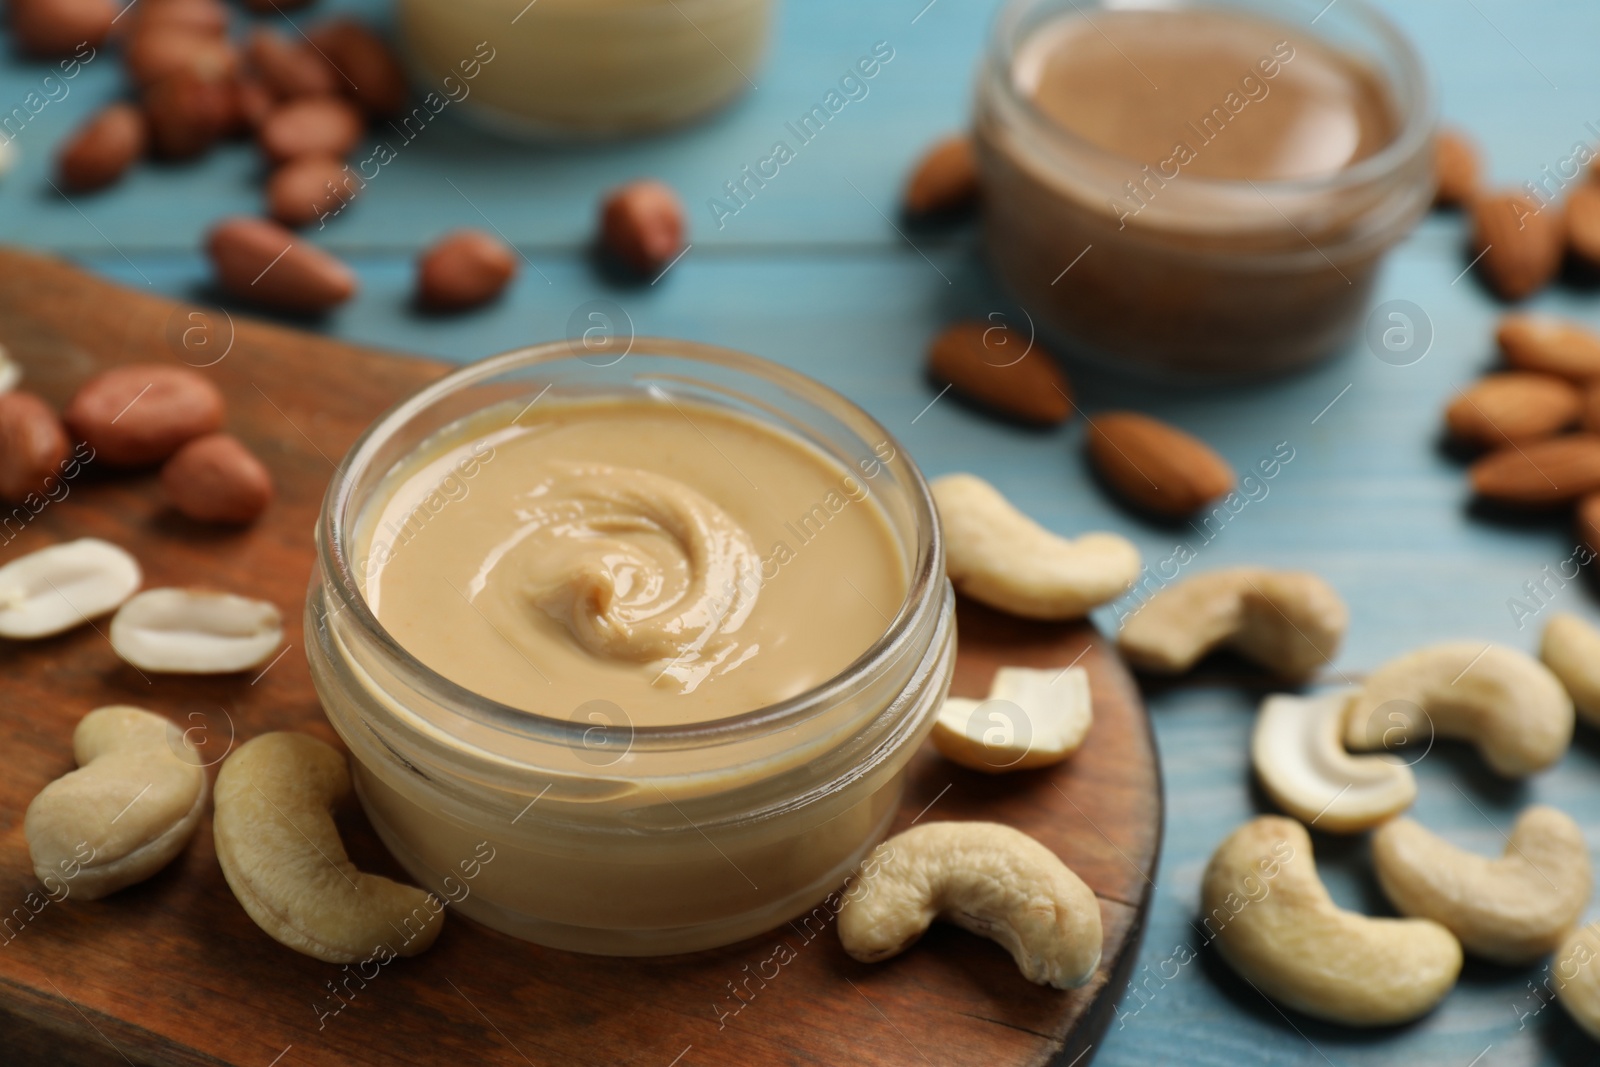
57 588
195 631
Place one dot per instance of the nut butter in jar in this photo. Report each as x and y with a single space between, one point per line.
588 68
1230 173
658 634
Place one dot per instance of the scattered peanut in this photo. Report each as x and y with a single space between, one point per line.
141 413
126 812
264 263
997 882
195 631
997 555
1299 757
215 478
1032 718
303 190
282 857
33 446
102 150
289 68
369 70
1156 467
1001 370
310 126
50 28
464 269
641 225
187 113
55 589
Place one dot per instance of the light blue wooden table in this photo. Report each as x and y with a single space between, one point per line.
812 274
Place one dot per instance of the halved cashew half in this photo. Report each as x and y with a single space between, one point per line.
1571 649
1300 759
283 859
1290 622
997 555
1577 973
1274 923
1033 718
1505 703
129 808
1511 910
990 879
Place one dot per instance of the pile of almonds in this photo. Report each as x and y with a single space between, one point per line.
1520 243
1522 417
135 416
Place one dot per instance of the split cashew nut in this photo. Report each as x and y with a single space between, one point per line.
1033 718
283 859
126 812
1290 622
997 882
1571 649
997 555
1507 704
1299 756
1577 971
1511 910
1275 924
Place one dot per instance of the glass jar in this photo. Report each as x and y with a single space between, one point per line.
603 836
1210 277
568 68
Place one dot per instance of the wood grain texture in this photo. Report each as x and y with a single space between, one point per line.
172 971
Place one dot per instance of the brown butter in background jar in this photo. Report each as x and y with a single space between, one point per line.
1235 179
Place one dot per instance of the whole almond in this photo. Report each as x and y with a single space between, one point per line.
1589 521
1455 168
309 188
1155 466
103 148
289 68
464 269
1554 471
264 263
1520 243
945 181
1000 369
155 53
641 225
33 446
1583 223
1513 408
311 126
369 71
197 16
51 28
141 413
1550 346
187 114
215 478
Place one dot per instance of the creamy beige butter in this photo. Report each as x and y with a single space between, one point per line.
676 561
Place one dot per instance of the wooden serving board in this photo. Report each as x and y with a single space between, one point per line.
173 972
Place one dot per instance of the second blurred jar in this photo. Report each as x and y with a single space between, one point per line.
582 68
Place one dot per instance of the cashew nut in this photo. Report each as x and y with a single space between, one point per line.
1290 622
1299 756
990 879
129 808
1571 649
1033 718
996 554
1275 924
1577 973
1507 704
1511 910
283 859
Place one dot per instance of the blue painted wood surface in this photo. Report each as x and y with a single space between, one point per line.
812 274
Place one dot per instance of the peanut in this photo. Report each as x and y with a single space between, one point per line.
464 269
33 445
215 478
641 225
264 263
103 149
312 126
140 413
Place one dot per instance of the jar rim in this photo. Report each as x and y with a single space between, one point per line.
334 550
1417 119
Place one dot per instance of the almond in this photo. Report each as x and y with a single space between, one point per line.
1513 408
215 478
306 189
33 446
1583 223
264 263
1455 168
464 269
1554 471
1155 466
1520 241
999 369
1589 521
103 149
641 225
945 181
1550 346
141 413
368 69
312 126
